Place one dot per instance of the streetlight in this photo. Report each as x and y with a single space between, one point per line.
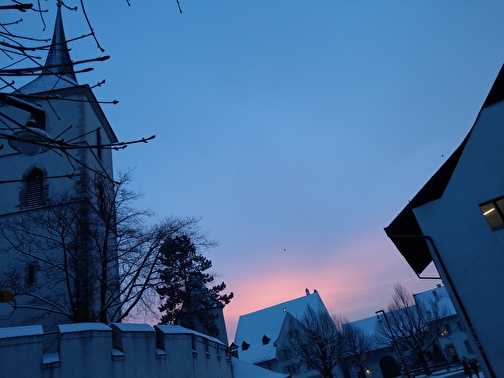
394 340
30 140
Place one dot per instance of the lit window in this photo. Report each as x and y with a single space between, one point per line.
445 330
494 212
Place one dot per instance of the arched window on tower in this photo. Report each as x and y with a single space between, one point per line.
34 192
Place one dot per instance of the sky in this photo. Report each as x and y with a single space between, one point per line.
297 130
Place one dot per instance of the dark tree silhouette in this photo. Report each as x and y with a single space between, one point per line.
185 291
411 326
89 258
314 342
357 344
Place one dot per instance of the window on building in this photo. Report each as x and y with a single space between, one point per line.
98 143
102 207
445 330
460 326
468 347
494 212
452 353
34 192
31 274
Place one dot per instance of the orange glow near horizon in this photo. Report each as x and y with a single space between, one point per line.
354 283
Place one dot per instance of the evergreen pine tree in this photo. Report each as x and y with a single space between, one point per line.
186 297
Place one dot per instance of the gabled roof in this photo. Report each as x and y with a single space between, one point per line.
269 322
438 295
404 231
58 69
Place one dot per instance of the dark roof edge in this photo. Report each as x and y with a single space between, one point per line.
496 94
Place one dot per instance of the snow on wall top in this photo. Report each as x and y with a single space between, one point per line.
10 332
82 327
177 330
133 327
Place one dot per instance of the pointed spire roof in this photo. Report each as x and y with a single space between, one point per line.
58 60
58 69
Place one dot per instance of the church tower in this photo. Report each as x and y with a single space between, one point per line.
55 179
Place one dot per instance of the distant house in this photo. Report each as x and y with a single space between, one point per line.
453 340
260 334
456 220
450 346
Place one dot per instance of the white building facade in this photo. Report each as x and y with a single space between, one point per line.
456 221
55 150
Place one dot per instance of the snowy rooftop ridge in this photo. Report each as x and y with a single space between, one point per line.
260 330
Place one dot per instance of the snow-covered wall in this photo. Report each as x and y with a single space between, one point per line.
118 350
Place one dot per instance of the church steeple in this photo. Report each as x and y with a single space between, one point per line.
58 59
58 72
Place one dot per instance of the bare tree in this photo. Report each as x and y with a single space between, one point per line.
85 259
357 344
412 326
315 342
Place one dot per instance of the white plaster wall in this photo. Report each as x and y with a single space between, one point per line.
86 350
472 252
83 116
21 352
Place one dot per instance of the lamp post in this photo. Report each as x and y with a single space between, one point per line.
394 340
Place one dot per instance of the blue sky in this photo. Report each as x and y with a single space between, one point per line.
296 129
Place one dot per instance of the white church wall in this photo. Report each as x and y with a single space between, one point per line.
92 350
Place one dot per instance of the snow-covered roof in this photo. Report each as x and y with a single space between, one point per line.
179 330
438 295
253 327
368 325
242 369
10 332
